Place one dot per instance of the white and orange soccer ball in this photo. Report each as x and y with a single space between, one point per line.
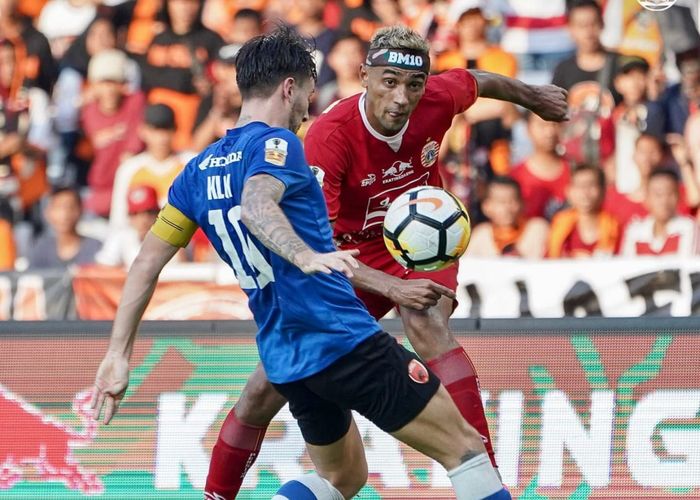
427 229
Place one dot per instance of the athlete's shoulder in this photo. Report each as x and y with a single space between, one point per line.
456 79
335 118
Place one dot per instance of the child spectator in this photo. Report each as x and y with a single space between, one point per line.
155 168
544 175
61 245
122 245
632 117
175 71
507 232
109 123
648 156
584 230
663 232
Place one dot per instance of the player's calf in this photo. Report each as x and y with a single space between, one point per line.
241 436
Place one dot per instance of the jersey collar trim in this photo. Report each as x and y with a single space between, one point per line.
394 141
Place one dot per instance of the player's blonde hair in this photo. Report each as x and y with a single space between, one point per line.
398 37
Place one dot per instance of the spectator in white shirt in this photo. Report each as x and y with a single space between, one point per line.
663 231
123 244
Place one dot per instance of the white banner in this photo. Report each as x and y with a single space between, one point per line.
613 287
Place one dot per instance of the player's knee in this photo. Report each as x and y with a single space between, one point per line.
259 402
350 480
429 336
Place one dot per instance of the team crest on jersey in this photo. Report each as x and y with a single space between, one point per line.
318 173
417 372
276 151
429 155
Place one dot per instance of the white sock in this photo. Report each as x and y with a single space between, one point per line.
300 487
475 479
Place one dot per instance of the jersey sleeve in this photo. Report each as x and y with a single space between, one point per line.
279 153
461 86
331 162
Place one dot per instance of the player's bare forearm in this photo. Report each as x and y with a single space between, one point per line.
372 280
138 290
547 101
262 215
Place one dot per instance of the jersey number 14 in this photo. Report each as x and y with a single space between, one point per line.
251 255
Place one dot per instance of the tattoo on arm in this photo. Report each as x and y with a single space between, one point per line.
262 215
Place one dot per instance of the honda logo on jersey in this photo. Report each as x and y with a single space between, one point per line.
378 204
397 171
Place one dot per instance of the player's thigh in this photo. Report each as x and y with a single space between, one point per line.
259 401
428 330
330 433
343 462
381 380
441 433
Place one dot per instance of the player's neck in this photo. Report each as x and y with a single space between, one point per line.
262 110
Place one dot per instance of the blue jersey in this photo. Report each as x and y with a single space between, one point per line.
305 322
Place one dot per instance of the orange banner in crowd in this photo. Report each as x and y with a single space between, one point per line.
98 290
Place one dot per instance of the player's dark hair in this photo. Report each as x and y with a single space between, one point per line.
587 167
251 14
654 138
573 5
665 172
505 181
266 60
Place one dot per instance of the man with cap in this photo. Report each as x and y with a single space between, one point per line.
109 122
155 167
122 245
398 122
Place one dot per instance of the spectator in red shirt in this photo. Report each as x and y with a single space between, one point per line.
663 231
648 156
543 176
584 230
110 123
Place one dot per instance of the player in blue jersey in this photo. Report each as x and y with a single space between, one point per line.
262 208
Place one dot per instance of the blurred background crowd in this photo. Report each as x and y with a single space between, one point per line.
103 102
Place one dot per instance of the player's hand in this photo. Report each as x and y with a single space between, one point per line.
342 261
110 385
549 102
419 294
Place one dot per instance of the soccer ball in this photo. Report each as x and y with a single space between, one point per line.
426 228
656 5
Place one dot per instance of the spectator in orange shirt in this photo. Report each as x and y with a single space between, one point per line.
507 232
663 231
7 241
544 175
584 230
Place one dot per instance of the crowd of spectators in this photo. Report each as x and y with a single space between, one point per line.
103 102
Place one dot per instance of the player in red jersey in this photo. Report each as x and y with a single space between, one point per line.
367 150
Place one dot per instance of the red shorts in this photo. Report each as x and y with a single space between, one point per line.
374 254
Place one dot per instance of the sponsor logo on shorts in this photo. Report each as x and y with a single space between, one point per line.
417 372
429 155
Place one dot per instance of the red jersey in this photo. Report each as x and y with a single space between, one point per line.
364 171
541 198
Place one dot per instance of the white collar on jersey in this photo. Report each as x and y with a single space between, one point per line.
393 141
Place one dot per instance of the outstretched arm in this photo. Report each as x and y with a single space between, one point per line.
547 101
262 215
113 374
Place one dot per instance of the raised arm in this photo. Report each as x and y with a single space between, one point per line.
547 101
262 215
